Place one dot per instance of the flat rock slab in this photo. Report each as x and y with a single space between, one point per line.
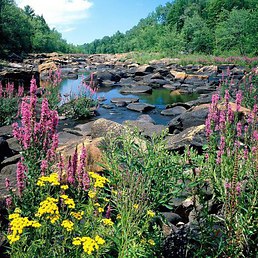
193 136
174 111
136 89
146 128
127 100
140 107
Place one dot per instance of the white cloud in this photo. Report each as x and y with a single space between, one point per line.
59 13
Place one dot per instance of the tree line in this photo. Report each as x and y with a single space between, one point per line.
190 26
22 31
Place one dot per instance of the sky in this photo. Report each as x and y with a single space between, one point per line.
82 21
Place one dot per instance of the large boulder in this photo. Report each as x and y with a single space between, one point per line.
193 136
144 69
103 127
193 117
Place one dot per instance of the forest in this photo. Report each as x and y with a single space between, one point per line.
218 27
22 31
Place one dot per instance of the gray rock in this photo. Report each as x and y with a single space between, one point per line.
136 89
127 100
174 111
192 117
140 107
6 131
106 106
102 127
171 217
145 128
193 136
85 129
145 118
5 150
144 69
73 131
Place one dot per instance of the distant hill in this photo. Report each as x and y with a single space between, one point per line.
190 26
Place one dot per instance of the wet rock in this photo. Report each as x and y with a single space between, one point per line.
136 89
140 107
127 100
106 106
170 86
208 70
205 89
192 136
121 104
174 111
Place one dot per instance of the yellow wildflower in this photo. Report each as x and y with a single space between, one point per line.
151 213
151 242
136 206
64 187
77 241
99 240
91 194
100 209
49 207
51 179
77 215
67 224
108 222
68 201
118 216
99 180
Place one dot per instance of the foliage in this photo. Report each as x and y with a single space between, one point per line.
81 105
202 26
9 103
30 34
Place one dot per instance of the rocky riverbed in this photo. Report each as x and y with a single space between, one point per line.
186 120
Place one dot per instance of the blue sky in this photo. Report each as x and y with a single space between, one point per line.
82 21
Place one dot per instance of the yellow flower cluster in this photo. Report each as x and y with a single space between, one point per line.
91 194
67 224
77 215
64 187
108 222
68 201
17 225
89 244
99 180
49 206
151 213
52 179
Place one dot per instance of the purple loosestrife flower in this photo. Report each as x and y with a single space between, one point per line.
108 212
246 152
33 87
74 162
43 167
70 175
20 91
238 188
82 165
239 129
85 181
221 149
8 201
20 176
9 89
239 98
222 120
